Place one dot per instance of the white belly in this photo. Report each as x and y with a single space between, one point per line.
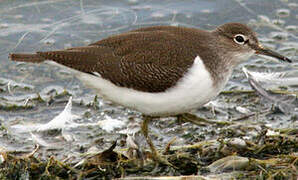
192 91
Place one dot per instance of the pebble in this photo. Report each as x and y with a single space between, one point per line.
272 133
237 142
292 28
229 163
283 13
242 110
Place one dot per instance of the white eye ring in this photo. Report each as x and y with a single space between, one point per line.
240 39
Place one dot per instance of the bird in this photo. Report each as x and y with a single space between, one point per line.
159 70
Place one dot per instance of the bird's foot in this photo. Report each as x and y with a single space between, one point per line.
155 155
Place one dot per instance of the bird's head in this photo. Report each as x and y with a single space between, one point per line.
242 42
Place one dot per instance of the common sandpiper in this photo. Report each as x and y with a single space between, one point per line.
159 70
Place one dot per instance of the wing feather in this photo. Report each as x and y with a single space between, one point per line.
148 59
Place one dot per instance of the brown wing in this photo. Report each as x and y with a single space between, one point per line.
147 59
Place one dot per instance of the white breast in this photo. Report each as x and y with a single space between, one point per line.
192 91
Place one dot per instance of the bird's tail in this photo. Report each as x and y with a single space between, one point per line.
34 58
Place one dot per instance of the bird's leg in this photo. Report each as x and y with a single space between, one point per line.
155 155
145 133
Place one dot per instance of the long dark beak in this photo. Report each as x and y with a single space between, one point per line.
267 52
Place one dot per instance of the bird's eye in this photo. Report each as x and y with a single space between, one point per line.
239 39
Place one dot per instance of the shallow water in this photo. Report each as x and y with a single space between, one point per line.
36 93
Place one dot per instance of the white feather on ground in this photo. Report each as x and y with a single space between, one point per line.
285 102
60 121
278 78
65 120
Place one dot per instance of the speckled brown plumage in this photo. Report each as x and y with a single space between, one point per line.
149 59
